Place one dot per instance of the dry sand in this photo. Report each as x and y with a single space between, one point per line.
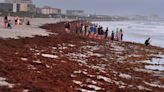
22 31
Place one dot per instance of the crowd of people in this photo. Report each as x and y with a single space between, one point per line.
83 29
11 22
95 31
98 32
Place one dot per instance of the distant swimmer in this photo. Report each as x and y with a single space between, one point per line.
147 42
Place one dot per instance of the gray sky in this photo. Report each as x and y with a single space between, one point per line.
110 7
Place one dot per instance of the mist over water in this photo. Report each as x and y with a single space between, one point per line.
138 31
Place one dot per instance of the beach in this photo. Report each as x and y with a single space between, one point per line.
46 59
22 31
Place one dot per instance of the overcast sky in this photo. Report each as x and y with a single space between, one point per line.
110 7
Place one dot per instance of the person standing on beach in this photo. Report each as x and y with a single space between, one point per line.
85 30
81 29
67 27
19 21
16 20
147 42
93 30
117 35
112 35
5 21
9 24
101 33
121 34
77 28
28 22
106 33
88 30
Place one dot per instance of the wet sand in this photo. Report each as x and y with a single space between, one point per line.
69 63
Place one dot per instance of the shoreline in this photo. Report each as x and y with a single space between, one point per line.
138 31
67 62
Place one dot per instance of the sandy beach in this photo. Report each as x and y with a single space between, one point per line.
46 59
22 31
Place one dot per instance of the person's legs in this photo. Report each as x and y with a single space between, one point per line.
67 30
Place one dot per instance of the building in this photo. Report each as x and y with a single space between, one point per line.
38 10
49 10
24 5
16 7
27 7
76 13
6 7
19 1
31 8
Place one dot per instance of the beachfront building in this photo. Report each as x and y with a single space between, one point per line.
8 7
76 13
27 7
4 7
49 10
19 1
38 10
21 5
24 7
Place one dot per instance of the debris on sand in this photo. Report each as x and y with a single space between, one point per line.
71 63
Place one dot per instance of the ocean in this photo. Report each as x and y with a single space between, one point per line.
138 31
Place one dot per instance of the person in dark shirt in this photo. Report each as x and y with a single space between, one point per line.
101 33
106 33
112 35
147 42
67 27
9 25
28 22
121 34
85 31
